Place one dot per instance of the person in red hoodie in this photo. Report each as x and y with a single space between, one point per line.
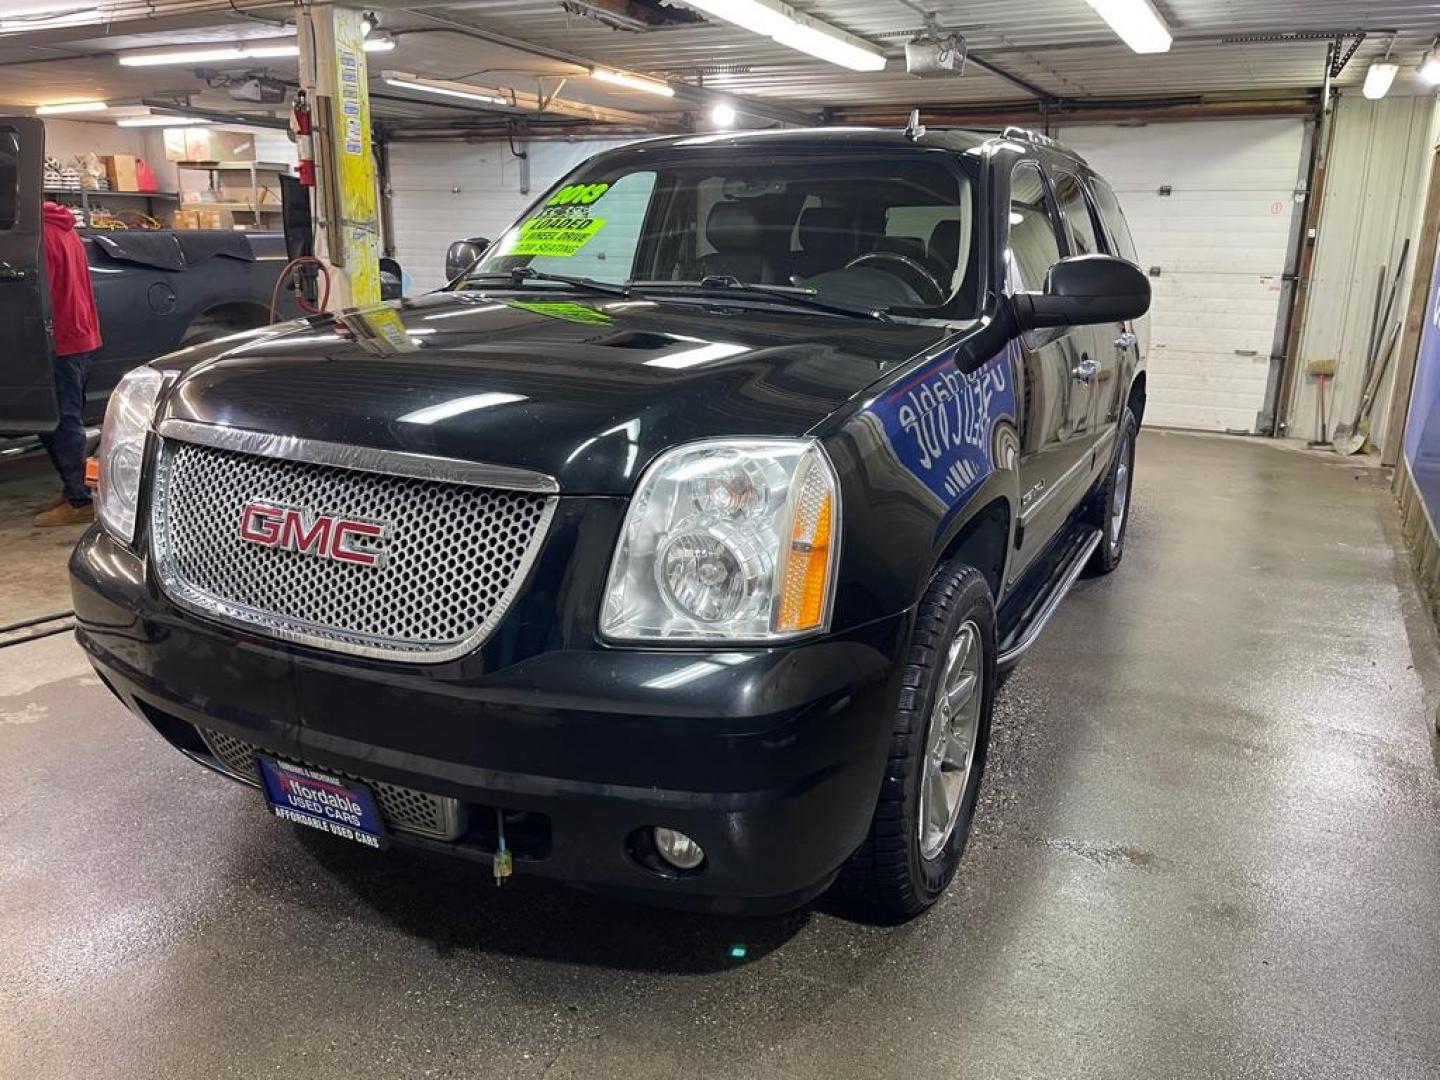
77 336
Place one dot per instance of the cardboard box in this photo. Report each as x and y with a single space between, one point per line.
204 218
208 144
121 169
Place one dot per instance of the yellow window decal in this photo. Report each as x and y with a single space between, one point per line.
560 237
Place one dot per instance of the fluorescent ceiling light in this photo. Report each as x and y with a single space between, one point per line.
257 49
1379 79
454 90
825 45
1429 69
757 16
1136 22
178 56
161 121
445 410
782 23
71 107
633 82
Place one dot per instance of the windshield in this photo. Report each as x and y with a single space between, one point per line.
891 233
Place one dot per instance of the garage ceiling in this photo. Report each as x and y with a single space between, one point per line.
1027 50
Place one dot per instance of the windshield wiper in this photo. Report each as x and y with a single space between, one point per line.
518 275
796 294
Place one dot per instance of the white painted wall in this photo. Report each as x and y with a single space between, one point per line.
446 191
1220 240
1376 170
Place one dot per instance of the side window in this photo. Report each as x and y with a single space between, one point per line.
1076 210
1033 240
1121 243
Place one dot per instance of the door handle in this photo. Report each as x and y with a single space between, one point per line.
1086 369
1125 341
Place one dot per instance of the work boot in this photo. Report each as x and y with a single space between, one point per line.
51 504
66 514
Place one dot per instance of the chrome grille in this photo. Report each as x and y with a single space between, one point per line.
455 554
404 809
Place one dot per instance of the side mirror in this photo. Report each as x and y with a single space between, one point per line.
392 279
462 255
1085 290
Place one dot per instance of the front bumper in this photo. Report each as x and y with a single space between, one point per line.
770 758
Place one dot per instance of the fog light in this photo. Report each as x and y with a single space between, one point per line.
678 850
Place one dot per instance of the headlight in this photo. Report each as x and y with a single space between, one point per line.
122 449
730 540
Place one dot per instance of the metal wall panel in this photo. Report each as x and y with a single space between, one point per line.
1219 240
1378 156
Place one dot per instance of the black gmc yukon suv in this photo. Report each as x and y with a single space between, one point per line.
674 548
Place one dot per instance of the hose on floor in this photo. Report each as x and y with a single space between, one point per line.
66 619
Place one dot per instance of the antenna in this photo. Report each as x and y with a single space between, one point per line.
914 130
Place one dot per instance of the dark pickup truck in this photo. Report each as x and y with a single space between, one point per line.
156 291
675 548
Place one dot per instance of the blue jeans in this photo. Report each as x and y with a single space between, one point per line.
66 444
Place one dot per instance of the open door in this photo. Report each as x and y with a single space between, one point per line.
27 379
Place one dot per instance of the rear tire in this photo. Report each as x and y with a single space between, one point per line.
1109 509
940 732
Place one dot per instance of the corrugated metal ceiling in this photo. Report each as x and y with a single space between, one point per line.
1060 46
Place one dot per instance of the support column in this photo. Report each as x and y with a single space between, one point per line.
347 217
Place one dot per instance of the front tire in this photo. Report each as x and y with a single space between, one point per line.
940 732
1110 509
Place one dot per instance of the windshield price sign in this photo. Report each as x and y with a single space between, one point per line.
565 224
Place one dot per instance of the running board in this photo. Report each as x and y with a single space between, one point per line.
1065 560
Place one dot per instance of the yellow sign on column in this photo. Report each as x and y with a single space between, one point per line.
355 164
332 70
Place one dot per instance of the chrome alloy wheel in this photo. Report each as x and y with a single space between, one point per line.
1121 498
950 740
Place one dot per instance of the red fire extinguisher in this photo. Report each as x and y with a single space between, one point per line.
304 139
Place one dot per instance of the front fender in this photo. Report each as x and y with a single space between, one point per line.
931 450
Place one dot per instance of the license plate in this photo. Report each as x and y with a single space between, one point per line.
340 807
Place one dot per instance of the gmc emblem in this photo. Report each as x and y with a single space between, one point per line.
292 529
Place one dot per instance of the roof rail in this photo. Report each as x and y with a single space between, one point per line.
1016 132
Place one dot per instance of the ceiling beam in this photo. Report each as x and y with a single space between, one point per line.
527 103
986 115
1038 92
695 95
220 116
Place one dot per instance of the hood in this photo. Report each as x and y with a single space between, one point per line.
58 216
587 391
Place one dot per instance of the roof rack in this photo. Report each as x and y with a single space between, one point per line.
1016 132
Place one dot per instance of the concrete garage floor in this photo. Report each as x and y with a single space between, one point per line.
1209 846
32 573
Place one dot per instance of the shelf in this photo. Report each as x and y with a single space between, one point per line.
233 166
94 193
267 208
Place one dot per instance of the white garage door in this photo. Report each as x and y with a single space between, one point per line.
1219 239
446 191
